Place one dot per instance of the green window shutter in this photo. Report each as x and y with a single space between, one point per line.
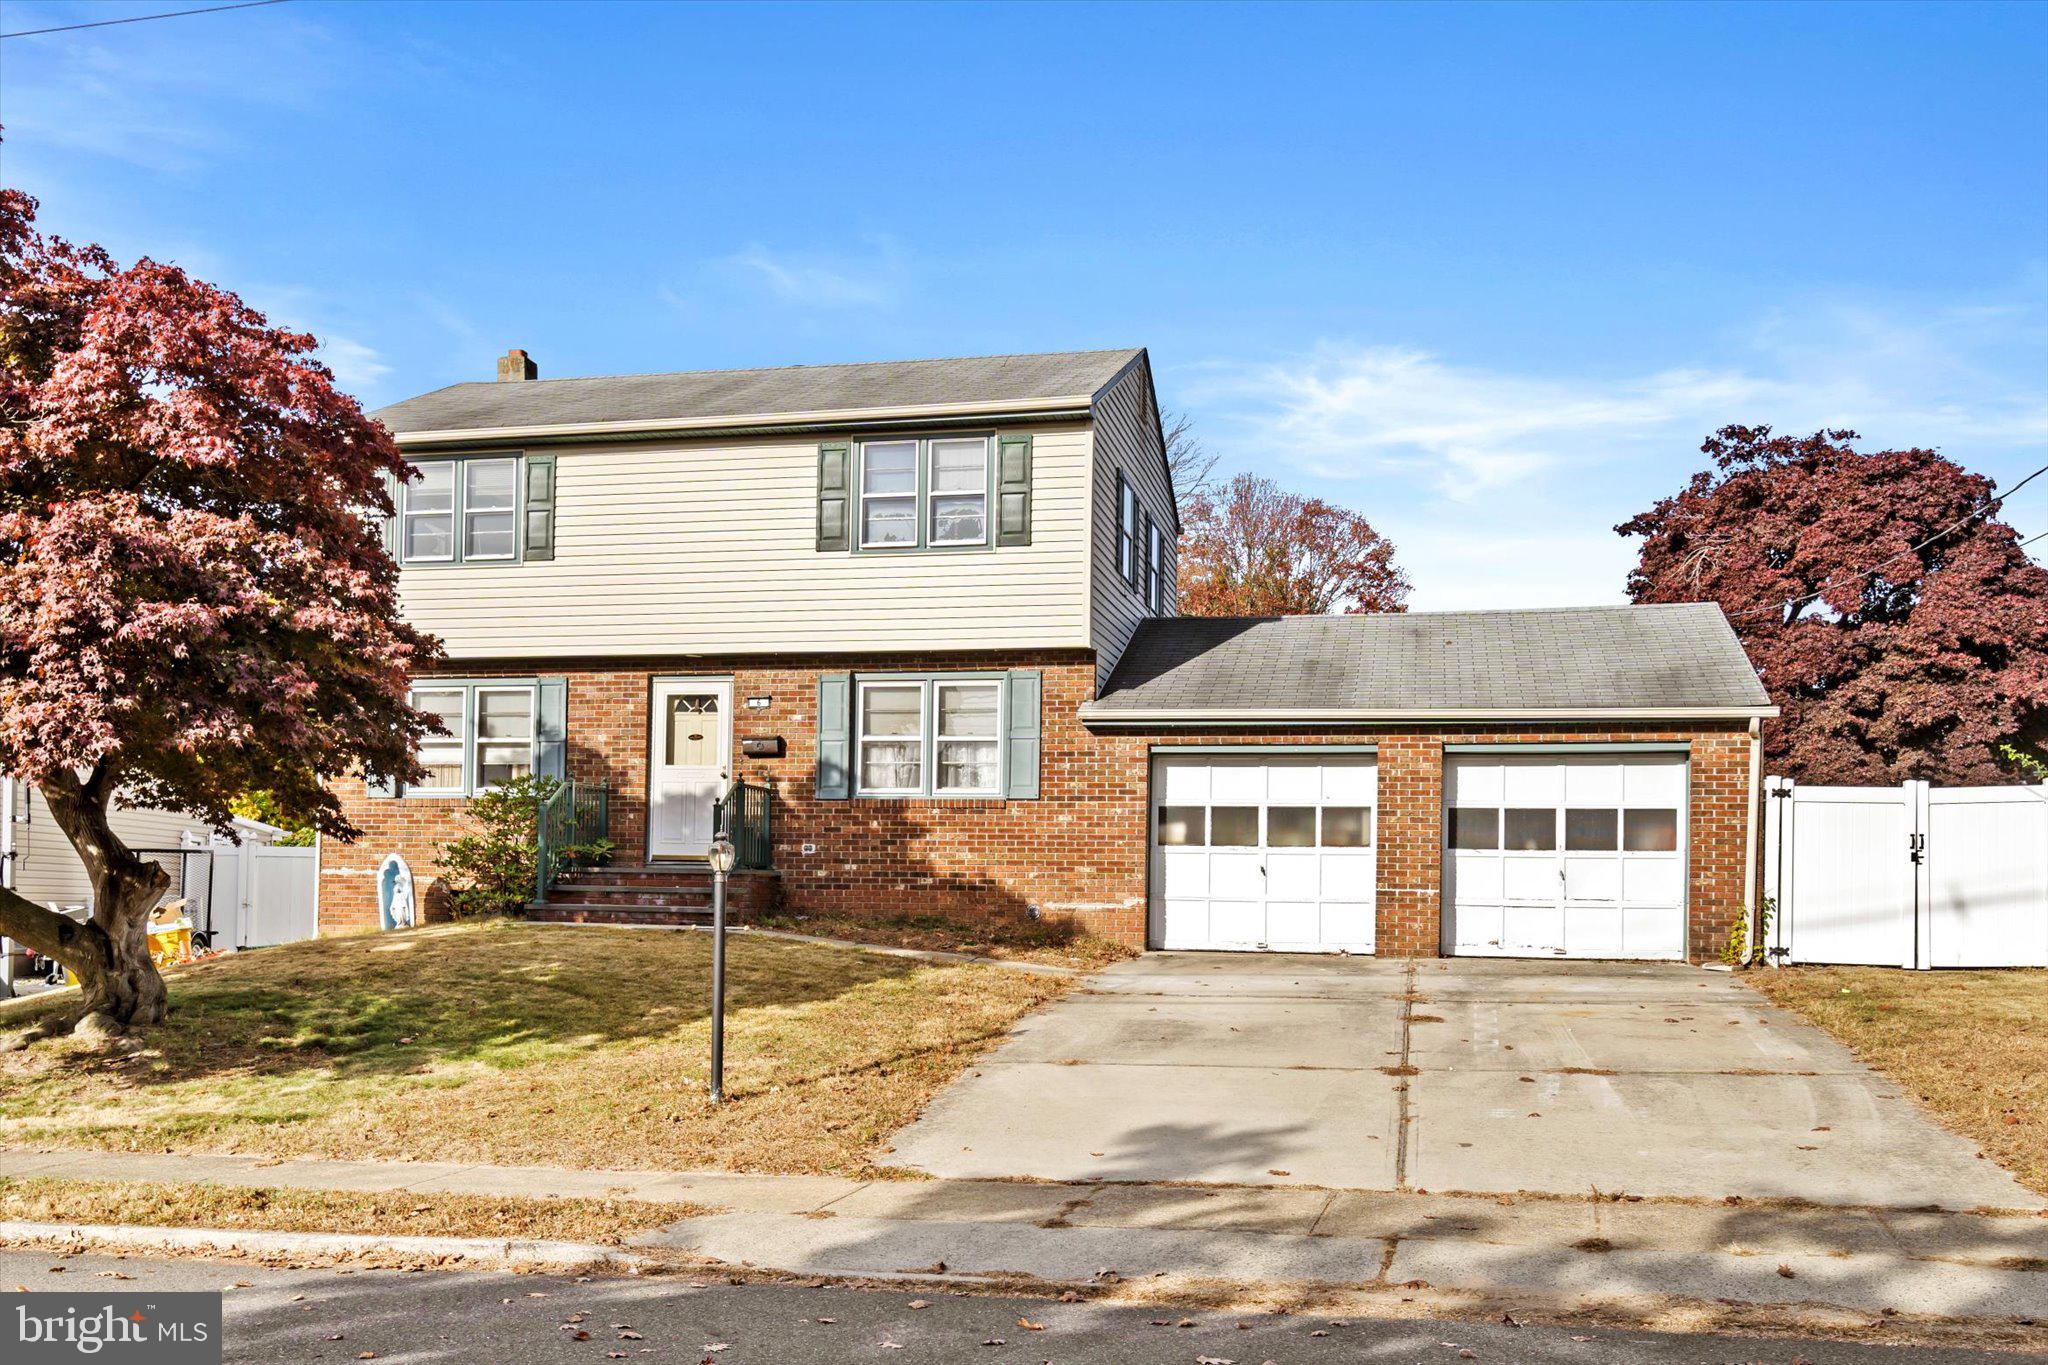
835 482
395 491
835 736
540 507
1021 726
1013 490
551 729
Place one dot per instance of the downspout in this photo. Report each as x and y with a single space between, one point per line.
6 880
1749 903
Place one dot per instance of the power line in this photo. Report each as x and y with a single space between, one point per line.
140 18
1961 522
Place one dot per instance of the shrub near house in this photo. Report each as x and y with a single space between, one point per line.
929 607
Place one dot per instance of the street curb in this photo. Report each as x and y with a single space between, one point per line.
495 1252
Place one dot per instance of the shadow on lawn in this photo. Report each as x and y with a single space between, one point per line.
497 993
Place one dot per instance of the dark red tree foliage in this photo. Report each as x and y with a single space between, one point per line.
1891 613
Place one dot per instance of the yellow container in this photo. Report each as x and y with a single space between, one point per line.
169 943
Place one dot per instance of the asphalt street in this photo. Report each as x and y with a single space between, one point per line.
329 1315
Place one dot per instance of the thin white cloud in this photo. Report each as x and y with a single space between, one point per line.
808 280
1459 462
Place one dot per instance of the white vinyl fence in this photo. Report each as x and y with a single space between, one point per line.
1907 876
262 894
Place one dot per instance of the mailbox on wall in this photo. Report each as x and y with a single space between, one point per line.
762 746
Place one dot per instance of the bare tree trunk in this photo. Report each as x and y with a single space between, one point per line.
110 954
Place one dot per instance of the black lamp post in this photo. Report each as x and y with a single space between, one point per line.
721 858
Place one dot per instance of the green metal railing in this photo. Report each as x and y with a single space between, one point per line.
743 816
575 813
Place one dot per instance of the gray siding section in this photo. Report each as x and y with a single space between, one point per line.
710 546
46 868
1127 439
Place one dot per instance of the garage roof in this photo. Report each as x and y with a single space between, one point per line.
1679 660
997 383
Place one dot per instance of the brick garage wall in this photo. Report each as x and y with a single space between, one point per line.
1078 852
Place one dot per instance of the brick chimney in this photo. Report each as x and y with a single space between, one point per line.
515 366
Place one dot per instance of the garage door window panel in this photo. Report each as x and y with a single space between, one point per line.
1290 826
1183 826
1650 831
1474 828
1234 827
1591 831
1347 827
1530 830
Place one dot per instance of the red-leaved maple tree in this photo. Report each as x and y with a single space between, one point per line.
1892 615
1249 548
193 602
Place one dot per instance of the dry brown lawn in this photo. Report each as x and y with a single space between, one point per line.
1972 1045
513 1043
149 1204
1054 943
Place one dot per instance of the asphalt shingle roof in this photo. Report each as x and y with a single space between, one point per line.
699 394
1682 656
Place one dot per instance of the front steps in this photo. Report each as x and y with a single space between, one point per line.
652 893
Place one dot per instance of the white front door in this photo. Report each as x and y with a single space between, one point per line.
1263 852
689 758
1566 857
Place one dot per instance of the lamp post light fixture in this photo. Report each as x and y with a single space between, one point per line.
721 857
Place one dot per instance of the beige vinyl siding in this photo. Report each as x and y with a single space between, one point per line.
46 867
1126 438
709 546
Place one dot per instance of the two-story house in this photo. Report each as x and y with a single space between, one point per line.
912 627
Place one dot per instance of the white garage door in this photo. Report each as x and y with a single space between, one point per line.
1566 857
1264 852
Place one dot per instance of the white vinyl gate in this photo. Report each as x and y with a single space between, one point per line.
262 894
1907 876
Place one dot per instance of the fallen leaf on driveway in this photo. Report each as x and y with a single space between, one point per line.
919 1303
993 1341
1213 1360
1786 1271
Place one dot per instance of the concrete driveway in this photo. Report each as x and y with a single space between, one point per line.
1451 1075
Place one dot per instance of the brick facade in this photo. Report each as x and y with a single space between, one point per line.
1079 851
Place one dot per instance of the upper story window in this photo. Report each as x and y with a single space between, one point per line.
924 493
490 739
469 511
1126 529
1155 568
929 737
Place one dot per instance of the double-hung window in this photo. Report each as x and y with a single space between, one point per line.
461 512
892 738
1155 569
929 737
1127 530
959 494
918 494
888 494
490 739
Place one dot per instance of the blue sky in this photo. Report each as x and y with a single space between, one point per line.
1488 273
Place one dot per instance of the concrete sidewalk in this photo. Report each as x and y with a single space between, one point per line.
1571 1251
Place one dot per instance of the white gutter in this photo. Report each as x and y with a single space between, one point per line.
1252 715
662 426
